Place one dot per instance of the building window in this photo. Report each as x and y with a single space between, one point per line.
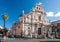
39 18
53 30
39 8
28 30
39 31
58 30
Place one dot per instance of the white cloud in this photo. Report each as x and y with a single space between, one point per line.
40 3
57 14
52 14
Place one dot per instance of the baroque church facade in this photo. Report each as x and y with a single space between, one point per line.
33 24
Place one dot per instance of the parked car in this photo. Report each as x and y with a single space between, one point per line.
11 36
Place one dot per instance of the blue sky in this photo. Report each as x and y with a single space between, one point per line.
13 9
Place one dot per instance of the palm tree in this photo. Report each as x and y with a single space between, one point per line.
4 17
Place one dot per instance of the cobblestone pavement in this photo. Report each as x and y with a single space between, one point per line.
20 40
28 40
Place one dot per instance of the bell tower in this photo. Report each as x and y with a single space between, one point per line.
38 7
21 16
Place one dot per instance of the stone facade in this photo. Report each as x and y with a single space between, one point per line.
33 24
56 29
16 29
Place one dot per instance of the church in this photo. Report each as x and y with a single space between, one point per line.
33 24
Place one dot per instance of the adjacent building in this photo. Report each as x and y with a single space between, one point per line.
56 28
